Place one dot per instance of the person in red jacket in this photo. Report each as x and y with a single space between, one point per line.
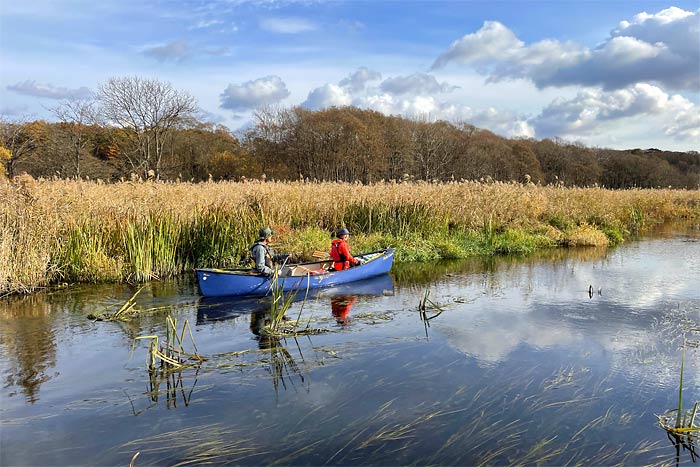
340 252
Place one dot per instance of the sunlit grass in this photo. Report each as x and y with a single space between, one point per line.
70 231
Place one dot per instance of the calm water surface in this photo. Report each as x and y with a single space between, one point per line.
523 365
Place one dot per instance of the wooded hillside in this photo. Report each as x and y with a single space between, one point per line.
336 144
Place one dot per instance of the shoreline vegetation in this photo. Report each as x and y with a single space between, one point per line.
71 231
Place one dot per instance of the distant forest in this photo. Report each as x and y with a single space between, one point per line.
337 144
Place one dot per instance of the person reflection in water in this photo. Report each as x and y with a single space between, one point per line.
258 320
340 308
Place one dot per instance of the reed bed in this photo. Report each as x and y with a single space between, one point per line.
83 231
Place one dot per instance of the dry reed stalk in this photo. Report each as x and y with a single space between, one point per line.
171 354
155 229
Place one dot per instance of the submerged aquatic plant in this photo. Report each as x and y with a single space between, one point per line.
171 354
282 365
121 313
128 310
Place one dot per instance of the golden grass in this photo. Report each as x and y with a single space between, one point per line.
56 231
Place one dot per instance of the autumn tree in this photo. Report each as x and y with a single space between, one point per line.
432 149
526 167
21 139
5 156
149 111
202 149
487 156
75 116
270 141
567 164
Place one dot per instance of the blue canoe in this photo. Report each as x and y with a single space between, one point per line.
223 282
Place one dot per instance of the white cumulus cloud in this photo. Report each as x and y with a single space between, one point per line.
592 110
662 48
412 96
254 93
417 84
493 40
502 122
359 79
419 107
328 95
686 125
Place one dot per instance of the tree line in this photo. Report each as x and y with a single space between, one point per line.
139 128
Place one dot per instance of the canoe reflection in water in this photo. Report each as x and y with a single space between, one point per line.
211 309
283 357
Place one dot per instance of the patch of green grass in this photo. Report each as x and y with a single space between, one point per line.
415 248
516 241
372 242
83 255
559 221
616 235
302 243
218 237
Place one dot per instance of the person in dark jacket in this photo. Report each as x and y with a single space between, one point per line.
340 252
264 257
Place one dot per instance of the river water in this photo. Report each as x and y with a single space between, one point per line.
564 357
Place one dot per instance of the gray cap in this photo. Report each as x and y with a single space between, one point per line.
265 232
343 232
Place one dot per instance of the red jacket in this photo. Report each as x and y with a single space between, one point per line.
340 252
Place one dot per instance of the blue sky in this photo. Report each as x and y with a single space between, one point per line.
620 74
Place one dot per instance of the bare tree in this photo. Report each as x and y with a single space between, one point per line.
149 110
433 149
75 116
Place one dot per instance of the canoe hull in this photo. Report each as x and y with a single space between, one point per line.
219 283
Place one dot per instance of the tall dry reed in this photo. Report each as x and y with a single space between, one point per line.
67 231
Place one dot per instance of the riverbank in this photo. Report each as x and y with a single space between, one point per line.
54 232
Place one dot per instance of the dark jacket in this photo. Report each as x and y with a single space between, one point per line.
263 258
